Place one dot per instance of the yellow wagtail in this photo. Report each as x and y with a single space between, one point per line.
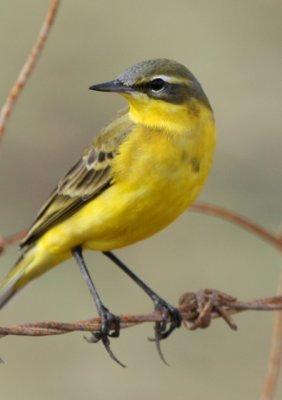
140 173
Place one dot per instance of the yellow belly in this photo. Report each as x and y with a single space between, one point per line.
156 179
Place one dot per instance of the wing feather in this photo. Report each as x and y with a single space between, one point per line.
88 178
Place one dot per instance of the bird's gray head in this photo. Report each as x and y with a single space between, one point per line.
158 78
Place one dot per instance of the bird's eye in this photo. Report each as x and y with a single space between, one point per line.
156 85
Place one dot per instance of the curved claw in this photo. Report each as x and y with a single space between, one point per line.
106 343
107 321
157 339
171 316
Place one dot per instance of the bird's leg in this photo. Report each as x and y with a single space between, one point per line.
107 318
170 314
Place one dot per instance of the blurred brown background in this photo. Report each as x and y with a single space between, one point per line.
235 50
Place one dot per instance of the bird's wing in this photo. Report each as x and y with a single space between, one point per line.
87 179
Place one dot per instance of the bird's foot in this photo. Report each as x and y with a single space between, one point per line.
110 327
171 319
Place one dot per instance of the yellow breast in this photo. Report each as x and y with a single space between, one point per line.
157 174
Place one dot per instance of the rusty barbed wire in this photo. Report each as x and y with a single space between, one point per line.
197 311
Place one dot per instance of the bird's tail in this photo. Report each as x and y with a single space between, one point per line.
16 278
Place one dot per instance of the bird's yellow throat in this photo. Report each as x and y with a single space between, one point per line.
171 118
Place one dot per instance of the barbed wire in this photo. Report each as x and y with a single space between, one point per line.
197 310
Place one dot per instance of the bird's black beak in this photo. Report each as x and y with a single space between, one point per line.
112 86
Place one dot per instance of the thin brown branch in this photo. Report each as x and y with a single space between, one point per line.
274 363
28 66
204 208
197 311
245 223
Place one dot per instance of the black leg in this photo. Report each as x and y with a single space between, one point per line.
108 320
171 314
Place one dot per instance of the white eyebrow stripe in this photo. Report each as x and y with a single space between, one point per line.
170 79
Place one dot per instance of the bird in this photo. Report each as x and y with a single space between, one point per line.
139 174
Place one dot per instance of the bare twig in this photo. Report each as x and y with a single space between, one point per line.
245 223
274 363
28 66
197 310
